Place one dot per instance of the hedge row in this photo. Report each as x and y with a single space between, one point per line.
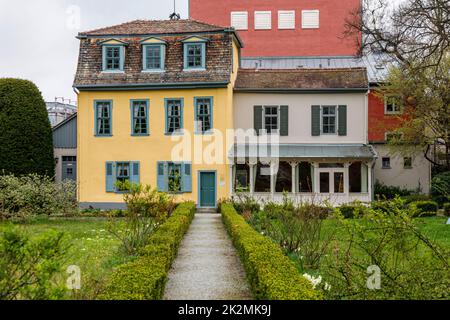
271 274
145 278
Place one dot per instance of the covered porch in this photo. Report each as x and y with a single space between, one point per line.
306 173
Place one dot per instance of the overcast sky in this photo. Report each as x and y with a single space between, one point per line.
38 37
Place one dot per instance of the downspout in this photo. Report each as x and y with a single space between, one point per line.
77 92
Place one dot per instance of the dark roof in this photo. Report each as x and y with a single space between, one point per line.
144 27
302 80
63 123
219 56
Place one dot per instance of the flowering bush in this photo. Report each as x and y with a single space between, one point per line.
31 195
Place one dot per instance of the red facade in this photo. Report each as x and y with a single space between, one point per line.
327 40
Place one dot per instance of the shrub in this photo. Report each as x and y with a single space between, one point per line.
27 196
271 274
245 204
146 277
353 211
440 184
26 139
447 209
390 192
28 266
416 197
424 208
146 210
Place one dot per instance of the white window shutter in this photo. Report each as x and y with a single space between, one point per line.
286 19
263 20
310 19
239 20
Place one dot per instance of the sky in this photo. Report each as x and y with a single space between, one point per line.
38 37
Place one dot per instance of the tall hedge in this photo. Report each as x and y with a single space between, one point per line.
26 142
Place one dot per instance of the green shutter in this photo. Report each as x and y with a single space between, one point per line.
284 121
135 173
315 121
110 177
342 115
258 119
163 176
186 176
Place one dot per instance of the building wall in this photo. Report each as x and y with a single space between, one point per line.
379 122
416 178
300 114
325 41
65 136
59 153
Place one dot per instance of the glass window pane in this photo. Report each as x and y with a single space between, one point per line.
338 182
324 182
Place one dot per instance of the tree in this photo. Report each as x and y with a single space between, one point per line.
26 142
416 36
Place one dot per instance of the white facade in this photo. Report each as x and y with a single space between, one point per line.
415 178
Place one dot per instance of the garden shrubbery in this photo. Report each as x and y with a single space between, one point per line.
32 195
390 192
145 278
424 208
271 274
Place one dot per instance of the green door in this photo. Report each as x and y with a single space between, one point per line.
207 189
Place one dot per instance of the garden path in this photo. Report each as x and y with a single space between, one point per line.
207 267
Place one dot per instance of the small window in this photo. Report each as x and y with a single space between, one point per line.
203 108
174 115
140 117
407 163
194 55
386 163
122 175
69 171
103 118
391 105
271 119
393 137
174 177
113 58
239 20
286 19
153 57
310 19
329 120
263 20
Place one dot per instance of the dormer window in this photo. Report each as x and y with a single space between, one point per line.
153 55
195 53
113 55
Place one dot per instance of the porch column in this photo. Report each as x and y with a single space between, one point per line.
232 178
251 167
272 177
347 178
316 177
294 165
369 180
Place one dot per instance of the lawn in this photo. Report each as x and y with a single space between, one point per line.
92 248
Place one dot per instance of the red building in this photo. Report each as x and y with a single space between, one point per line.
283 28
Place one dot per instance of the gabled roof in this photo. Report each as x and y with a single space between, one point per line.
63 123
149 27
301 80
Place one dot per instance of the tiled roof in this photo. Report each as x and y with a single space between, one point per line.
144 27
301 79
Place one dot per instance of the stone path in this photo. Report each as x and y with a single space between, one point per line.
207 267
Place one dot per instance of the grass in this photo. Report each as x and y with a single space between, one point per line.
92 248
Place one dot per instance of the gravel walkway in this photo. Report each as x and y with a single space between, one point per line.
207 267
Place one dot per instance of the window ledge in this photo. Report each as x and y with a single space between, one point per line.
103 135
174 134
141 135
154 71
113 71
194 69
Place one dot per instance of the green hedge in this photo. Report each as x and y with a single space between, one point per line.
424 208
145 278
271 274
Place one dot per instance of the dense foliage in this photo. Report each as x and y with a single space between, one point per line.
26 141
271 274
146 277
31 195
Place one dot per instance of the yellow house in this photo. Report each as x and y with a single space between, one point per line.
154 97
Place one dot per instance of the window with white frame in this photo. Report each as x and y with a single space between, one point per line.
286 19
310 19
386 163
329 120
391 105
239 20
271 119
263 20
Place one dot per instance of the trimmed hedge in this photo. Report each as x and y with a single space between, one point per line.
145 278
424 208
271 274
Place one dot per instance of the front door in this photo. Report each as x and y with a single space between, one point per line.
332 181
69 168
207 189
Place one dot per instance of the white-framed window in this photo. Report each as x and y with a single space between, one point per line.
310 19
286 19
329 116
271 119
391 105
263 20
239 20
